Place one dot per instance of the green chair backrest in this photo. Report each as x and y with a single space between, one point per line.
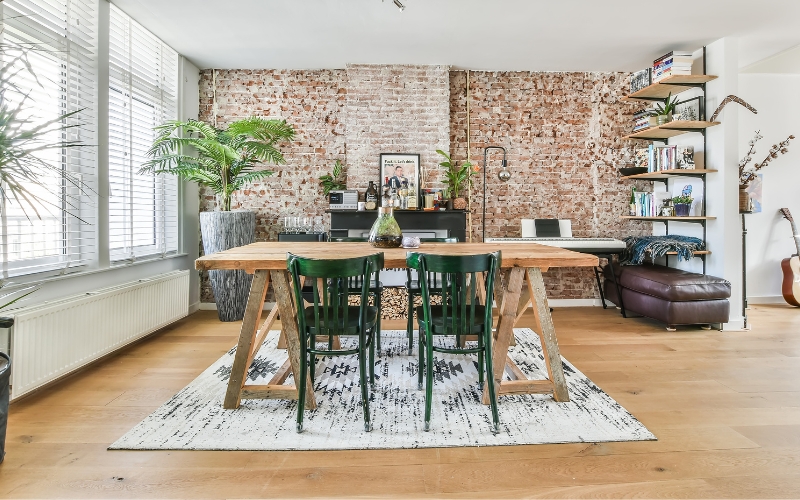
330 291
459 290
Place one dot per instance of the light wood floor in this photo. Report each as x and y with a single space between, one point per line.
725 407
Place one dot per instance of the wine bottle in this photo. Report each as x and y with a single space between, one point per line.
371 197
403 195
633 202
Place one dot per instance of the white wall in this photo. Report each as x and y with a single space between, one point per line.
777 99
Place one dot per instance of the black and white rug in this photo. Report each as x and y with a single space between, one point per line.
195 420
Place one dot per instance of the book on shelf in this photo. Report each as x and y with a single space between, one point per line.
661 158
649 204
671 64
672 54
641 120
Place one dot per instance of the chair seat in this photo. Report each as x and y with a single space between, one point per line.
441 325
352 319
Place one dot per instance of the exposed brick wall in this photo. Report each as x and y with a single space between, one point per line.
563 134
396 109
562 131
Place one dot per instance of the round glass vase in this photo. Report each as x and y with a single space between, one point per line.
385 232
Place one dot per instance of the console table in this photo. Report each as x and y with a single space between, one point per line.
450 223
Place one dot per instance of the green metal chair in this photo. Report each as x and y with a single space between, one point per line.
375 288
330 315
459 315
412 286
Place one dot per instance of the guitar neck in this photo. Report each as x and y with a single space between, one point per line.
797 243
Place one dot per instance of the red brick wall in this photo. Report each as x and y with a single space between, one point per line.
562 132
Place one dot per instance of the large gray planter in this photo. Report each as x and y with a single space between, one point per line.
5 375
222 231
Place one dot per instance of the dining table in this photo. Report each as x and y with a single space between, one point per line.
520 263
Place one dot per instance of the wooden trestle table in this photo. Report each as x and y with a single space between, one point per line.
267 262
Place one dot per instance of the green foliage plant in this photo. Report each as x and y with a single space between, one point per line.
222 159
456 178
336 180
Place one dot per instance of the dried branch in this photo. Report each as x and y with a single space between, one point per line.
748 173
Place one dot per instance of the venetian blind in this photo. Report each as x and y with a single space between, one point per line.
143 90
60 40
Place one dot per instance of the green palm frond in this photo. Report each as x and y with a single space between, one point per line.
223 160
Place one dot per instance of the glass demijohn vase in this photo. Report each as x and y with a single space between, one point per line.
385 232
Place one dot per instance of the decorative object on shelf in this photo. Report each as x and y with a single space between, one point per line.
667 210
385 232
457 179
790 287
371 197
411 242
401 171
224 160
626 171
689 110
640 247
504 175
640 80
731 98
336 180
683 203
684 158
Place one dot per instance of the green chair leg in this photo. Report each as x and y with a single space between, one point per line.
490 378
410 323
429 381
421 360
301 388
372 365
362 374
378 325
481 345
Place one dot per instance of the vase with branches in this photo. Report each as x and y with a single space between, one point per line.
748 171
224 160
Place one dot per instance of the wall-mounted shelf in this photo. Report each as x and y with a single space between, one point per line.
669 85
696 252
672 129
666 174
689 218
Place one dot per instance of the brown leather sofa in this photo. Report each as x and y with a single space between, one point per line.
669 295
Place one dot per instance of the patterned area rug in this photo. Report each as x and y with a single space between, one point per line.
195 420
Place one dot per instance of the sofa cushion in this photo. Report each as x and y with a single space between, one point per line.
673 284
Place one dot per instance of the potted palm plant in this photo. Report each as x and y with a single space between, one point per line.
224 160
457 179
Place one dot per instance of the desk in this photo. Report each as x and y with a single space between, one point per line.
267 261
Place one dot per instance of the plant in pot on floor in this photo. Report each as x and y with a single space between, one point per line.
457 179
28 181
224 160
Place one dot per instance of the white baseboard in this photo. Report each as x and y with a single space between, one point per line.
575 303
193 308
766 299
212 306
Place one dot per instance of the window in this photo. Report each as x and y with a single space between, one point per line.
143 82
60 37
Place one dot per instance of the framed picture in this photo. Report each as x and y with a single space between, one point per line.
689 110
399 168
640 80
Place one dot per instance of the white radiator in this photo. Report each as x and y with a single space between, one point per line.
53 339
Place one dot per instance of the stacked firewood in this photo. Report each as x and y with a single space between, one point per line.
394 302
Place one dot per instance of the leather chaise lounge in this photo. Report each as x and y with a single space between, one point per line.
669 295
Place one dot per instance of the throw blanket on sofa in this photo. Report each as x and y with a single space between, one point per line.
639 247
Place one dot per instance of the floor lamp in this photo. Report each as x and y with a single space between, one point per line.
503 175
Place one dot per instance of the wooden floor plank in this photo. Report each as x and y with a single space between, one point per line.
724 405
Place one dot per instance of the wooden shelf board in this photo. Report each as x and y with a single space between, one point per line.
664 174
674 218
672 129
667 86
697 252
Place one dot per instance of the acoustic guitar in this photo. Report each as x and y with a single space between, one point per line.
791 267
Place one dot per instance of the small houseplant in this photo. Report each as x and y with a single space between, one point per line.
456 179
335 180
682 204
224 160
663 112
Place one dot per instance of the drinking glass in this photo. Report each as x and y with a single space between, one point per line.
307 224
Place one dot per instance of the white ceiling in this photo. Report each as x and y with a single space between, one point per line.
533 35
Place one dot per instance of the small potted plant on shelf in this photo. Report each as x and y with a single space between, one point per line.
682 204
457 179
662 113
334 181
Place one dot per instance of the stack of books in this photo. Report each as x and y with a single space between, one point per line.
641 120
673 63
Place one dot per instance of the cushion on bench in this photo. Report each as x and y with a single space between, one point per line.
672 284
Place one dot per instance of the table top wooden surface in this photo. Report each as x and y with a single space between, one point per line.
272 254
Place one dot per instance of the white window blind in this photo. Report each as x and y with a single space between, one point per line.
143 83
60 37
